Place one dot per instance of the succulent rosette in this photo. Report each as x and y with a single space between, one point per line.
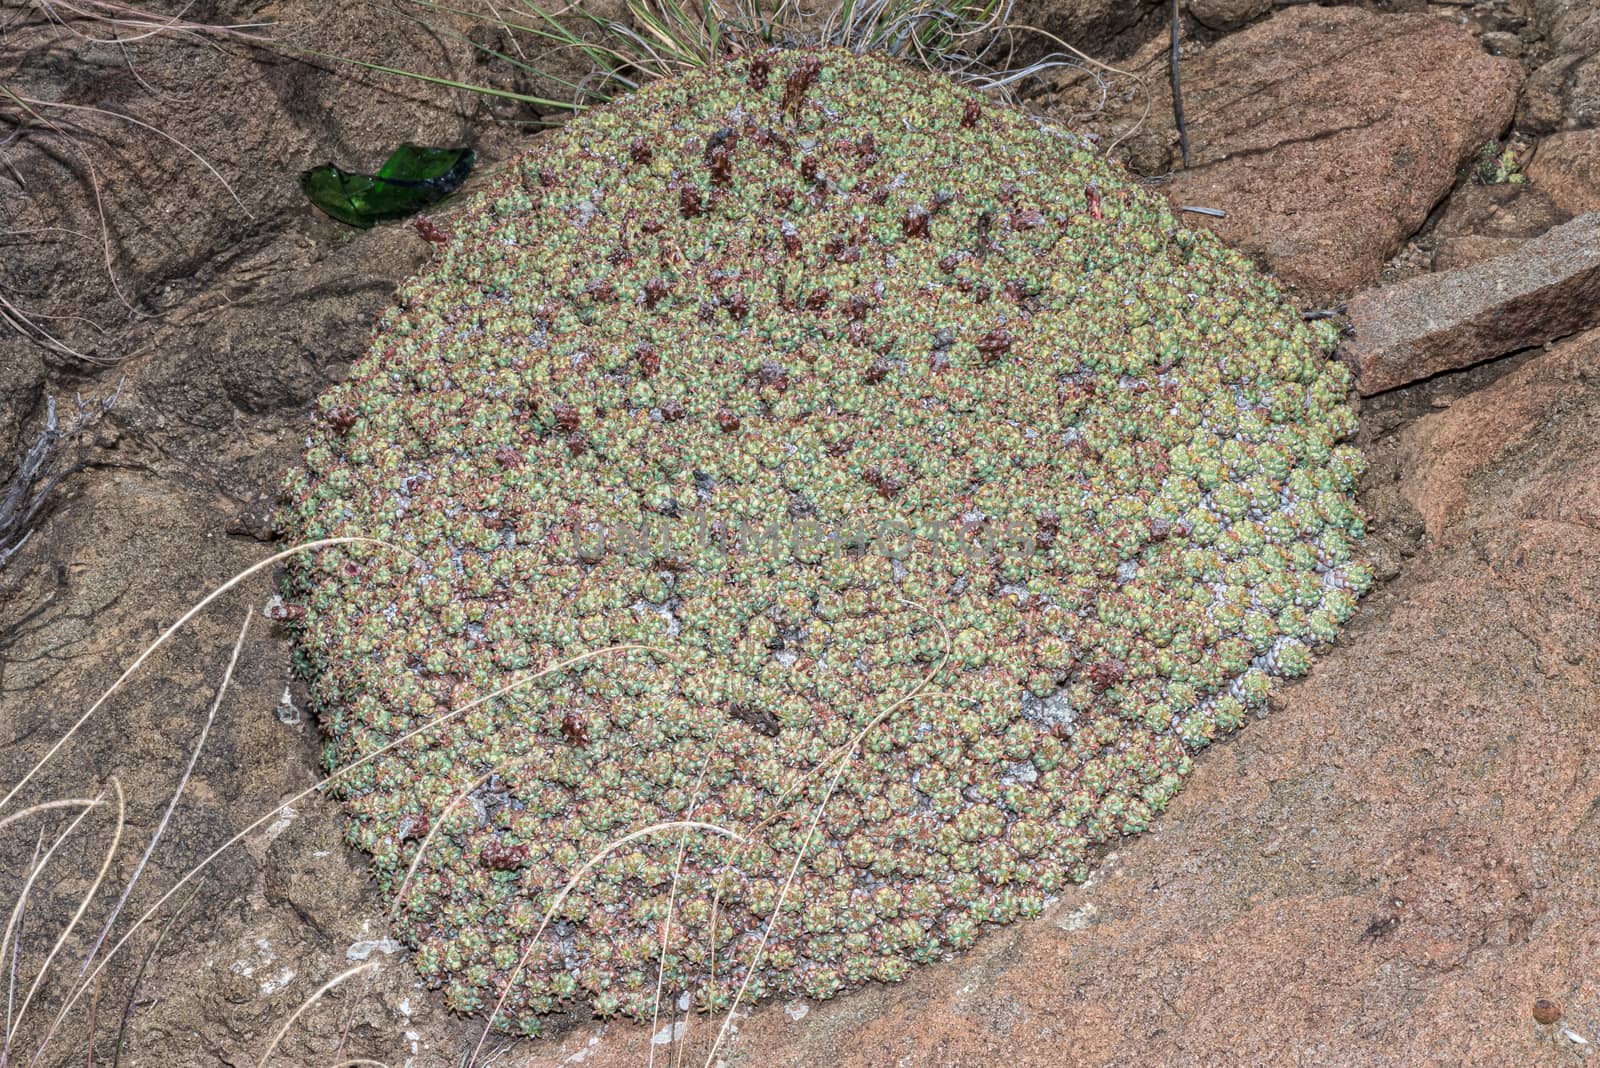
903 489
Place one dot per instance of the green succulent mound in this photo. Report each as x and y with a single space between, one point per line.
844 390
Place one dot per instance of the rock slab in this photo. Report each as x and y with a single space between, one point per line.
1547 289
1480 222
1445 452
1328 134
1227 14
1567 167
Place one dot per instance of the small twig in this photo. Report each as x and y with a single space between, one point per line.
1177 90
1215 213
316 996
1322 313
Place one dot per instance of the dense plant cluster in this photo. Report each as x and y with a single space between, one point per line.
832 383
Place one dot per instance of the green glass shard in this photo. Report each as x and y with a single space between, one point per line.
409 180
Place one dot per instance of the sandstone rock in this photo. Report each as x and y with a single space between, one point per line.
1227 14
1567 167
1562 94
1099 27
1328 134
1441 322
1481 222
1442 453
1569 25
1390 870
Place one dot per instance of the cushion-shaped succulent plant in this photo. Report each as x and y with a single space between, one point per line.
923 494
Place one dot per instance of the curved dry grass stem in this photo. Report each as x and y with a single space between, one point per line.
843 751
144 966
525 679
183 782
145 126
35 869
1139 78
577 877
144 23
25 323
83 906
405 885
48 806
672 893
841 757
305 1005
16 956
170 631
94 187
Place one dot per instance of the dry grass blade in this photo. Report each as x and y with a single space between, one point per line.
183 782
928 31
524 679
405 885
14 921
16 952
48 806
143 126
94 1018
839 756
144 966
1086 58
130 25
94 187
305 1005
843 751
28 326
577 877
672 893
149 651
482 90
83 906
